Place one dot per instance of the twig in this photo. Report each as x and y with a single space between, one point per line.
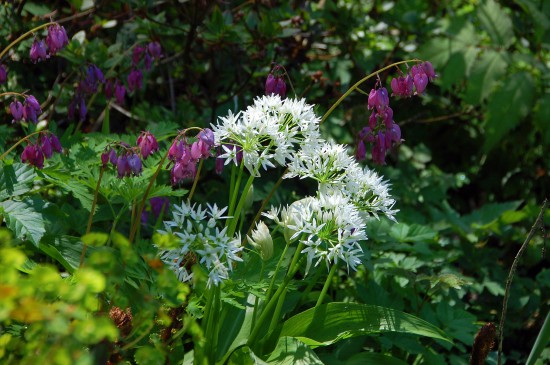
538 222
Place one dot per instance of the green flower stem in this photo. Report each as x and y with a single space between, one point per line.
239 208
211 314
310 286
272 284
17 144
91 216
195 181
292 269
265 201
23 36
356 85
277 312
256 300
137 221
327 285
235 191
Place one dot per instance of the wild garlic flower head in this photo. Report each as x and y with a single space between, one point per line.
201 241
335 170
369 192
329 226
267 132
325 162
262 241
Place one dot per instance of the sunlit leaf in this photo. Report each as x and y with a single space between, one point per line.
24 218
291 351
333 322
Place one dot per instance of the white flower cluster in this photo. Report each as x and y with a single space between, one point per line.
334 169
201 241
329 226
268 132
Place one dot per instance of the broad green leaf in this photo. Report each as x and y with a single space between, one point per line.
15 180
489 213
437 51
236 327
291 351
413 233
459 66
24 218
373 359
64 249
540 18
496 22
333 322
485 73
244 356
507 107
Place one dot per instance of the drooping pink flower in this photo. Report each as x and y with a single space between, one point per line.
16 110
38 51
147 144
56 38
31 109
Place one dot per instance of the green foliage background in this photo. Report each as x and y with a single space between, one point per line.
469 178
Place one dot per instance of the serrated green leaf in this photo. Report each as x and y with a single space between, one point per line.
459 66
485 74
15 180
291 351
24 218
333 322
507 107
437 51
496 22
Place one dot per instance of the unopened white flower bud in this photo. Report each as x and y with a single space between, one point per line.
262 241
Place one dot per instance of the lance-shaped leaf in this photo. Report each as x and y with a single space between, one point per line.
333 322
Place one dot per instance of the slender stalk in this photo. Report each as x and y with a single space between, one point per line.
235 191
292 269
137 222
237 212
327 285
275 319
265 201
538 222
18 143
195 181
23 36
272 284
9 93
91 216
356 85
